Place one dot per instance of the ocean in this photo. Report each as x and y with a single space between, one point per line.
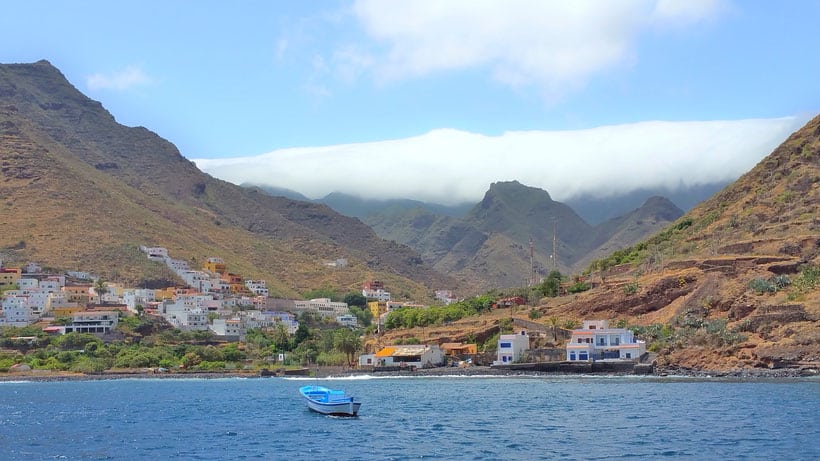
413 418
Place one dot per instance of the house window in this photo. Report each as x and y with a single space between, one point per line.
583 356
572 355
505 345
629 355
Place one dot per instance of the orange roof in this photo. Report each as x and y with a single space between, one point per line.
386 352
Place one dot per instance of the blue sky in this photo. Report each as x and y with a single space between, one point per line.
436 99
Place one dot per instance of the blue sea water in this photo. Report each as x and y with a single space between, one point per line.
453 418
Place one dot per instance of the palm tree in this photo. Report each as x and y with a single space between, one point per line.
347 342
101 288
553 321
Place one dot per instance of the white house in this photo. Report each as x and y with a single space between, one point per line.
512 347
378 295
16 311
411 356
348 320
258 287
232 328
595 341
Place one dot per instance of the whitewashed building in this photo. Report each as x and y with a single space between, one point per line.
348 320
378 295
595 341
15 311
410 356
512 347
258 287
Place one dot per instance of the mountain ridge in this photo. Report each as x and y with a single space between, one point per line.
149 194
502 226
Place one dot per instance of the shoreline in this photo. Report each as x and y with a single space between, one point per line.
479 371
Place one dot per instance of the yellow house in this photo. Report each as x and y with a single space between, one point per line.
9 276
215 265
80 294
164 293
377 308
66 311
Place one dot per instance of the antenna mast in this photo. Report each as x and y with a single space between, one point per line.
554 243
532 265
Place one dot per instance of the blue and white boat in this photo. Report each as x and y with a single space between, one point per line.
330 401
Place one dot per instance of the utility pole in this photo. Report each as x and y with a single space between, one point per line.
554 243
532 265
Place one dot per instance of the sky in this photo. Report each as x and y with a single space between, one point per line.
434 99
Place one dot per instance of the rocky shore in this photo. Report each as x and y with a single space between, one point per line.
343 372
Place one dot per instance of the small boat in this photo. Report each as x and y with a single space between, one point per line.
330 401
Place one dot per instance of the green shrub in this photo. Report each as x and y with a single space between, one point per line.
578 287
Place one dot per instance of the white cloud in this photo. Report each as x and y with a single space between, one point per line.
450 166
129 77
553 45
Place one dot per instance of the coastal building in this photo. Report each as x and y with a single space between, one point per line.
98 322
511 348
230 329
15 311
595 341
459 349
410 356
322 306
348 320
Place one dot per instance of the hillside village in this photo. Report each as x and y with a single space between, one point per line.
212 299
225 305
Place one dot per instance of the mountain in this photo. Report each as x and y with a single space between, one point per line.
490 244
81 191
735 280
729 288
596 210
356 207
624 231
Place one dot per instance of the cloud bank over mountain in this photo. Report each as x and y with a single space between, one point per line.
450 166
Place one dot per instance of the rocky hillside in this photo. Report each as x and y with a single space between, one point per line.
81 191
732 285
490 244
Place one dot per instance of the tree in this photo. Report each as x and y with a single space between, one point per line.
347 342
553 322
281 336
355 299
101 288
551 285
363 314
302 334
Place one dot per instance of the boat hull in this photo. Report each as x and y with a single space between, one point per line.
329 401
334 409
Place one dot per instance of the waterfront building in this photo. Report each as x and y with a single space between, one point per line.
595 341
512 347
